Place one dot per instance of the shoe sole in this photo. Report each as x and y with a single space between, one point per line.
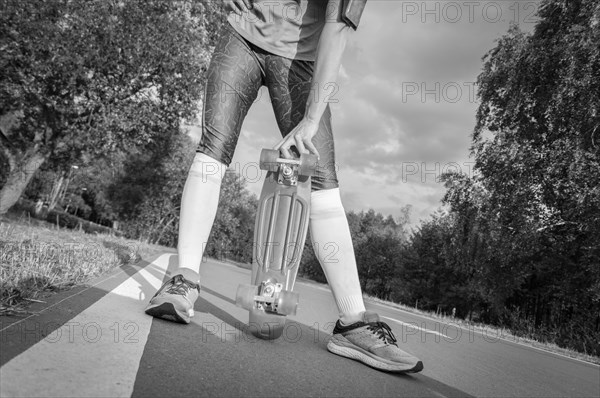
372 362
168 312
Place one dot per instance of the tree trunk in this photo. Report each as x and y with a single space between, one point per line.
164 228
18 178
56 189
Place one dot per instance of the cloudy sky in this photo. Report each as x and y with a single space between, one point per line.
406 102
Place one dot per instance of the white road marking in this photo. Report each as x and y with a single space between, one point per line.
55 304
476 330
97 353
413 326
492 336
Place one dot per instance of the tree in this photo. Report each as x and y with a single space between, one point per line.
146 190
536 152
82 79
233 230
519 245
377 242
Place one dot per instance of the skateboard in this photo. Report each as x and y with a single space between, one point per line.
279 234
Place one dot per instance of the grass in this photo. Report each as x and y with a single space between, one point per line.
37 259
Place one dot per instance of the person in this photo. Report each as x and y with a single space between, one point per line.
294 48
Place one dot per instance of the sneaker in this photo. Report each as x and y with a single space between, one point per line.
372 343
175 300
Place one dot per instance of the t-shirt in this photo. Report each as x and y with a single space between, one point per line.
289 28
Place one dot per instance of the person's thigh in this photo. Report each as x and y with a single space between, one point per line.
289 84
234 78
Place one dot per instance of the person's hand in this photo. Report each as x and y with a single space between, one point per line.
238 6
300 137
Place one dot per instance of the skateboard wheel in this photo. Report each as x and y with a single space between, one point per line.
288 302
266 326
268 159
245 296
308 164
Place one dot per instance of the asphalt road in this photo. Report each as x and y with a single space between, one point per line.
96 341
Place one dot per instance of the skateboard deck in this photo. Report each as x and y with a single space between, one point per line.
279 234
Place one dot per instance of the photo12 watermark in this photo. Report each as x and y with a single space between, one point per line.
72 332
438 92
433 171
67 252
290 252
493 12
129 332
317 92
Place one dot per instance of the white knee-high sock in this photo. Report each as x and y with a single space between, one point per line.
332 242
199 204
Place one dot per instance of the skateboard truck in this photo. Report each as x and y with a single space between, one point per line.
286 175
268 291
288 170
267 298
279 234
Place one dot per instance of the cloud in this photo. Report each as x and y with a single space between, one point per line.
434 39
405 107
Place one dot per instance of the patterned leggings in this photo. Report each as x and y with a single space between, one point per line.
237 71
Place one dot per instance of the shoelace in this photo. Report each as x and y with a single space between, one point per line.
383 332
179 285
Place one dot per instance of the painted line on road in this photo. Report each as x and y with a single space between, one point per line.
393 307
486 334
327 289
81 292
96 353
55 304
416 327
